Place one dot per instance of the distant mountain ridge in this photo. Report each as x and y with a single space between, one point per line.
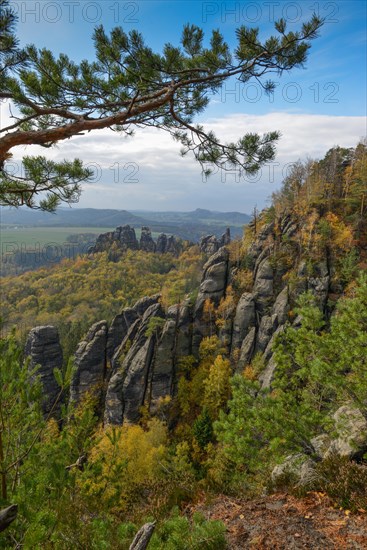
188 225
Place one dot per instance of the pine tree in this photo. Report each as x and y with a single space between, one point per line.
129 85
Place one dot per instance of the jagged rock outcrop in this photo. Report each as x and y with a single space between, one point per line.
43 348
146 241
136 360
226 237
209 245
124 237
184 330
90 362
127 237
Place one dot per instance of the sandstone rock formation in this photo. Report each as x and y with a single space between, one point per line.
210 244
90 363
43 348
124 237
146 241
135 361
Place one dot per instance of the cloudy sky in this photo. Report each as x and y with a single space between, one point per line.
314 108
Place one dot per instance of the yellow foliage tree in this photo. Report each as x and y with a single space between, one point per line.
216 386
123 462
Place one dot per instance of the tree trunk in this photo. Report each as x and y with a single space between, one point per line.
142 537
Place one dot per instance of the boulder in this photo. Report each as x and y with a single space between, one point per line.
43 348
321 443
296 469
351 428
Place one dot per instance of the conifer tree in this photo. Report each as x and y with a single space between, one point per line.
128 85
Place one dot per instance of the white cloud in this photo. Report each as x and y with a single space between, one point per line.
151 174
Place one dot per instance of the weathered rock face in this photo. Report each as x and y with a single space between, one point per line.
141 306
264 285
247 349
90 363
43 348
163 367
146 242
119 329
245 319
212 289
127 388
209 245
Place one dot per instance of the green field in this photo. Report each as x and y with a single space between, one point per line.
39 236
29 236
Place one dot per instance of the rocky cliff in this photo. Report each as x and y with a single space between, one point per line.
133 362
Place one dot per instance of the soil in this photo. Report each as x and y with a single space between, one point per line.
284 522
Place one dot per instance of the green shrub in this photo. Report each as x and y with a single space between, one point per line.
180 533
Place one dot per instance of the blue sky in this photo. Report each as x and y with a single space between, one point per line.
315 108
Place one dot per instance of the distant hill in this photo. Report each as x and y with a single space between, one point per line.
199 215
73 217
188 225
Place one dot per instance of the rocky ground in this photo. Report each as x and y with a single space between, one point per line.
284 522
